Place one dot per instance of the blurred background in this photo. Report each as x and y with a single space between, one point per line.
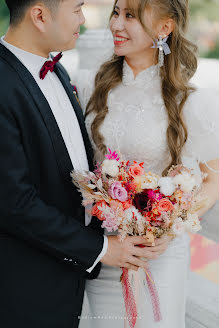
204 30
203 300
204 27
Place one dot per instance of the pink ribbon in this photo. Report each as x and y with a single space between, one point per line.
130 304
129 299
154 297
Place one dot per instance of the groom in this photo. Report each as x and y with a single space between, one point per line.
45 249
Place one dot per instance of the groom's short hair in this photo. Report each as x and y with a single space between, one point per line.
17 8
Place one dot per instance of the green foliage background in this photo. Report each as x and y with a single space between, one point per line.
4 18
202 11
4 14
204 8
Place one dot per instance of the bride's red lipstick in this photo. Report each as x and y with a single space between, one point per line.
119 40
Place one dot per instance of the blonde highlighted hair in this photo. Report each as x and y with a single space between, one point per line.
178 69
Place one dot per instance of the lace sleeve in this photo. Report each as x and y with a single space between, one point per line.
84 81
201 114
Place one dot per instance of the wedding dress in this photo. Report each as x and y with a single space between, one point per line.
136 126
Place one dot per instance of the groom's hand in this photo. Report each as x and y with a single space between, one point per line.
127 254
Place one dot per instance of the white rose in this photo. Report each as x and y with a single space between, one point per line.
178 227
167 186
110 167
186 181
149 181
192 224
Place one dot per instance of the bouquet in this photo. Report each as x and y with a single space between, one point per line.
134 202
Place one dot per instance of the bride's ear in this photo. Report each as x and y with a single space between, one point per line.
165 27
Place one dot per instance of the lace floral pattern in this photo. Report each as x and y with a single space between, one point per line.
137 121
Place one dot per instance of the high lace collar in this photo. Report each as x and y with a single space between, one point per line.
143 79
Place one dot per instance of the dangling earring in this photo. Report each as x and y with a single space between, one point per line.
163 47
161 52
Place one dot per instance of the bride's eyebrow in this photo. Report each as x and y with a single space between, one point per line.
117 7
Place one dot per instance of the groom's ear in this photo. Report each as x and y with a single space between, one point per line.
40 16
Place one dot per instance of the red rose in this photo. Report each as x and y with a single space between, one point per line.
141 201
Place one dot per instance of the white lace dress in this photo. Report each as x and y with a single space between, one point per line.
136 126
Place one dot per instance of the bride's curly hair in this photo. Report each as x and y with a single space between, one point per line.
178 69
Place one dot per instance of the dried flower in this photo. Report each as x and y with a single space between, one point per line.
110 167
112 155
149 181
97 212
167 186
185 180
192 224
178 227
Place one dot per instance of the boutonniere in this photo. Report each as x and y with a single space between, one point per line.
75 93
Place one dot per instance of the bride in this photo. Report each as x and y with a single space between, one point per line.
141 103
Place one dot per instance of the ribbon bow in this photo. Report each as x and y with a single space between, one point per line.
49 66
162 43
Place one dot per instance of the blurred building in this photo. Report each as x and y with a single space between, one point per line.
97 13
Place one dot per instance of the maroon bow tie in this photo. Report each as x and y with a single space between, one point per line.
49 66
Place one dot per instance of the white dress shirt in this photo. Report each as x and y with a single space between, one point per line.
64 115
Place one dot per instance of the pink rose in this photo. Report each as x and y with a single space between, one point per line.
118 192
165 205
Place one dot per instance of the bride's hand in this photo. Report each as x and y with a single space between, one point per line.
160 245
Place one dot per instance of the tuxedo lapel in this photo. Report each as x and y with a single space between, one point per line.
78 111
62 156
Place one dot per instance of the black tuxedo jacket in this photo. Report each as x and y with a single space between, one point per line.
45 247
